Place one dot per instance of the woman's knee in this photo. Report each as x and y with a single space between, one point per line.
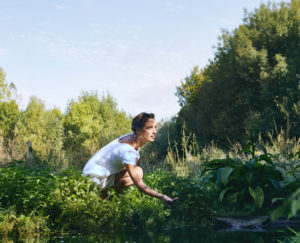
139 171
123 179
126 179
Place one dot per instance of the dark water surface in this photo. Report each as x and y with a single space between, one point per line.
179 235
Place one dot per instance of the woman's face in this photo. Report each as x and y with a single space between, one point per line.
149 131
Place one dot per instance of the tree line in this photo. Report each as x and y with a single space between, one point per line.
58 139
252 85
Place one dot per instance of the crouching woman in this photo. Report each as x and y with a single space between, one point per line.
117 164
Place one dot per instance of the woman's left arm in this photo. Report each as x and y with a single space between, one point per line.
136 177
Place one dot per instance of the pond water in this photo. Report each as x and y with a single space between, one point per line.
180 235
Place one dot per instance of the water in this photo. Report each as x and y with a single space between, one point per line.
179 235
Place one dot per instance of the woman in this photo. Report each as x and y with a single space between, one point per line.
117 164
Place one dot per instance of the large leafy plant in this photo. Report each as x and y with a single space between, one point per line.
247 184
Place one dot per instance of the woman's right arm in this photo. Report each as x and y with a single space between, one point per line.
138 181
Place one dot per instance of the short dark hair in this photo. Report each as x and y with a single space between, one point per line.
138 122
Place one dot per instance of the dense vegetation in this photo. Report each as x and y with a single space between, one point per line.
252 83
39 200
247 101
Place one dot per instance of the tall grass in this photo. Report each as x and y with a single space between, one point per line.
187 158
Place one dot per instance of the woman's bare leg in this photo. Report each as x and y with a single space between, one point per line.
123 179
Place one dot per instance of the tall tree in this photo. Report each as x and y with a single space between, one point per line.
91 122
43 128
253 82
9 114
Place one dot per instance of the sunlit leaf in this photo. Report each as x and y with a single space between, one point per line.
257 195
223 175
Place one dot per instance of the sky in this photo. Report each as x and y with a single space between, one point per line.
138 51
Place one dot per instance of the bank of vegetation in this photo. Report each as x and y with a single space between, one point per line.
232 150
36 200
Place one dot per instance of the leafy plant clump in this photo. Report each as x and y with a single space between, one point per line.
249 186
39 201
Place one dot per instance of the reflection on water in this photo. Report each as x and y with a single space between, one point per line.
174 235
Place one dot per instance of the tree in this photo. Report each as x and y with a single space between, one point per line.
9 114
90 123
44 129
253 81
6 89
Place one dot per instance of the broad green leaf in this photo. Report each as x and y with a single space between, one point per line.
257 195
216 163
250 164
294 232
237 162
222 193
276 199
295 207
287 208
223 175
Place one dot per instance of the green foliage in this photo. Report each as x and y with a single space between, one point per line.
289 208
43 128
294 238
39 200
187 89
142 212
194 204
252 84
58 140
290 205
20 226
90 123
248 184
257 195
9 115
6 89
67 201
70 202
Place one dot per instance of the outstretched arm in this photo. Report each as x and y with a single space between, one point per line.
137 178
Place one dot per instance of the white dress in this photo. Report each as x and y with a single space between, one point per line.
110 160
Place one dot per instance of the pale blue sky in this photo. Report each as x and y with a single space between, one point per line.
138 51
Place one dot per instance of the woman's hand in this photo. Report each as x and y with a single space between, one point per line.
168 200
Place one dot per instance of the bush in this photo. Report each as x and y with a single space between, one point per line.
70 202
